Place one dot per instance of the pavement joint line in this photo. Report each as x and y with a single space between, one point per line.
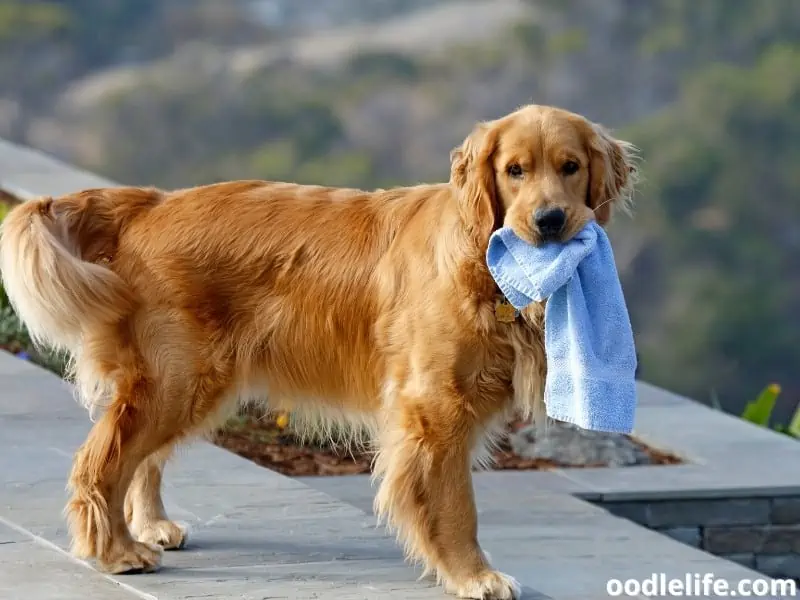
48 544
61 452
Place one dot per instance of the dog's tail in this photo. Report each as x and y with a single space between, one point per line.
51 252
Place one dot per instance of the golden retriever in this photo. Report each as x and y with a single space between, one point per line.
347 306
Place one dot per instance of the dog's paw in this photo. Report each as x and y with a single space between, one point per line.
491 585
133 557
166 534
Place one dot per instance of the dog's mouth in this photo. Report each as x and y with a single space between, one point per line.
571 229
574 225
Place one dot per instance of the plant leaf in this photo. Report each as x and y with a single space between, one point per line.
794 425
760 410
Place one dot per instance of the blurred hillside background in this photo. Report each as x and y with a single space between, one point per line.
376 92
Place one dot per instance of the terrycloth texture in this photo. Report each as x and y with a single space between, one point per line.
591 358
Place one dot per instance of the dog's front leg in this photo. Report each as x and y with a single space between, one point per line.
426 493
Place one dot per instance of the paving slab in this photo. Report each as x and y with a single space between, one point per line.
705 435
742 478
492 488
32 569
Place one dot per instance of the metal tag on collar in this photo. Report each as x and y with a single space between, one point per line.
504 311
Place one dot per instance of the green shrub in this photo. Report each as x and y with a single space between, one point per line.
14 338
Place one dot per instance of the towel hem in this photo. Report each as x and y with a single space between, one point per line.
600 404
587 425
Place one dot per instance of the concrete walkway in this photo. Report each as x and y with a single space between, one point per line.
256 534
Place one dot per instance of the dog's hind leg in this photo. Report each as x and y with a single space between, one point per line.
101 473
142 423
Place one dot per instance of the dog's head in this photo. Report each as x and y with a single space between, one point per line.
543 171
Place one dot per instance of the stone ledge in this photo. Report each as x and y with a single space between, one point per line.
704 513
746 559
689 482
785 510
760 539
779 565
27 173
691 536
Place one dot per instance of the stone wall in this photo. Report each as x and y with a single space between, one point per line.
762 533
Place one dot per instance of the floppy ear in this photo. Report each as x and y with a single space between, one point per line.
612 173
472 174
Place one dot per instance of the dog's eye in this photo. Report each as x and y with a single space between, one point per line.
514 170
570 167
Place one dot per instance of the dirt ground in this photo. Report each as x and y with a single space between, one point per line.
269 442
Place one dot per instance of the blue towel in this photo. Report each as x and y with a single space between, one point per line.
591 357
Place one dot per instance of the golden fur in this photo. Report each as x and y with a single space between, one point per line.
347 306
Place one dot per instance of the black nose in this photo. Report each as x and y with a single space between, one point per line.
549 221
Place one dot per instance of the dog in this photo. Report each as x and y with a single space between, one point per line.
372 309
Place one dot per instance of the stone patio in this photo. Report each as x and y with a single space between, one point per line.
256 534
